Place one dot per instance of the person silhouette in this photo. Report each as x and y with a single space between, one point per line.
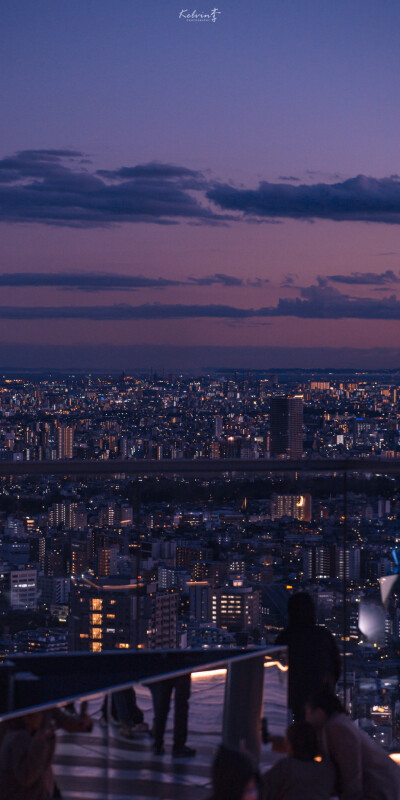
314 658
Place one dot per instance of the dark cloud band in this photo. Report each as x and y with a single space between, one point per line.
56 187
60 187
367 278
316 302
357 199
98 282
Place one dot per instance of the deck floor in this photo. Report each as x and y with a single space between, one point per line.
105 766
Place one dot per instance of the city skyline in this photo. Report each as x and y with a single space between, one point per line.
220 193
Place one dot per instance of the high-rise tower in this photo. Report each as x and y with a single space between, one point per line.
65 441
286 423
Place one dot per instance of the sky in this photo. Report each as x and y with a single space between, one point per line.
188 189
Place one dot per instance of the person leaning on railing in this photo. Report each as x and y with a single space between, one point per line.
27 747
314 658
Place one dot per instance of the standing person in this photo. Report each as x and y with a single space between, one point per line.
364 770
314 658
300 776
161 692
234 775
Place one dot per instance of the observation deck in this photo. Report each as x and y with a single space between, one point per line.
227 702
236 690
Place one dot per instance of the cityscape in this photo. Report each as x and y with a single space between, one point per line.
95 563
200 398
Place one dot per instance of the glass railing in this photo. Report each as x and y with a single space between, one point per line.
112 763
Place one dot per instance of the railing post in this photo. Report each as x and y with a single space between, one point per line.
344 585
7 670
243 704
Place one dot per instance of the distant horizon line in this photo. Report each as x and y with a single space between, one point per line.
194 360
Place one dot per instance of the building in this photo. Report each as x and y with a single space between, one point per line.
218 426
328 562
186 555
319 562
214 572
351 557
297 506
117 613
104 615
286 426
236 606
54 589
107 560
170 577
200 601
23 589
65 441
161 610
80 561
42 640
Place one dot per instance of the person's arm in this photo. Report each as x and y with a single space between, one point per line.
344 748
74 723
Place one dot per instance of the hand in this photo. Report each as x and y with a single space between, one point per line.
85 722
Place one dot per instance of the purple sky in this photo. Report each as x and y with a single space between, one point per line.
191 184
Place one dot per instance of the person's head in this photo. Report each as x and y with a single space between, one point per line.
302 741
28 722
321 705
234 775
301 609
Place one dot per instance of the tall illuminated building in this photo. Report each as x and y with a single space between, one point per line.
65 441
113 612
286 426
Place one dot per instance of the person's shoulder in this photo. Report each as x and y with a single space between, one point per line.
340 721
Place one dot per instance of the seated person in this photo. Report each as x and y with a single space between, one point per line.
234 775
364 770
300 776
